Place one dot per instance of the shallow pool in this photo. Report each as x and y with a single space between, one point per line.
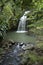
21 37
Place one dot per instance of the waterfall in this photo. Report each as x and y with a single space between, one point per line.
22 23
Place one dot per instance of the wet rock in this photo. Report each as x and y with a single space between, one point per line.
20 55
28 46
7 57
17 59
5 45
11 64
8 44
21 44
1 60
3 55
11 55
24 61
11 42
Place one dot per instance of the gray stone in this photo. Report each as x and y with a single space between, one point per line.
28 46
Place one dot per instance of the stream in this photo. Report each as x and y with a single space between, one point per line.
12 58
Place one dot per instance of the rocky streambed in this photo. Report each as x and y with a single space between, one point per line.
19 53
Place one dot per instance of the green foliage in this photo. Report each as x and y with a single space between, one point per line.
26 3
35 58
9 10
12 10
36 17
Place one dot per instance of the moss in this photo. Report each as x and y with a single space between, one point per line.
41 58
39 45
35 58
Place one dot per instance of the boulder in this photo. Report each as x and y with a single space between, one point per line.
21 44
11 42
28 46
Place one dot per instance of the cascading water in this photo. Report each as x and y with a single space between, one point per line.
22 23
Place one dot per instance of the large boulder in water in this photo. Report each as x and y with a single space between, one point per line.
21 44
28 46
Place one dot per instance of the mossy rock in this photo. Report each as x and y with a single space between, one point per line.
39 45
2 51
